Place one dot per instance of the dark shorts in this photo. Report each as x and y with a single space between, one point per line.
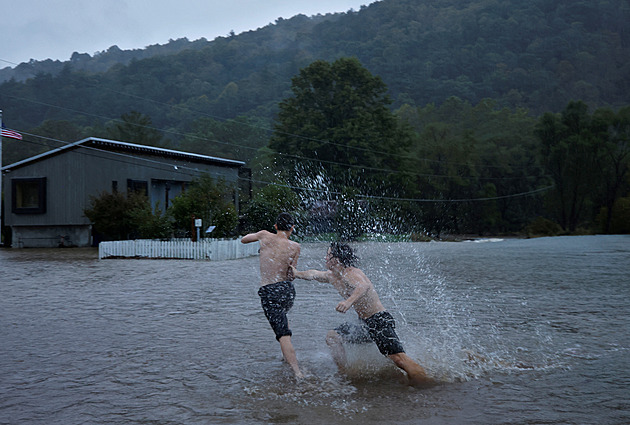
277 300
378 328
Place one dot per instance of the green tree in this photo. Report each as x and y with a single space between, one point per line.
570 152
62 131
613 132
271 200
135 127
238 139
338 119
209 200
465 151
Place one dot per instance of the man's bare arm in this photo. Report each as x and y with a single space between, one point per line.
318 275
253 237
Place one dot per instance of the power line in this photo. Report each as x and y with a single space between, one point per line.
187 109
294 157
396 199
182 169
195 172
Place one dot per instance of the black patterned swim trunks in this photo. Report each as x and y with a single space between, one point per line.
378 328
277 299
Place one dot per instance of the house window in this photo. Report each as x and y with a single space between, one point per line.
29 195
138 186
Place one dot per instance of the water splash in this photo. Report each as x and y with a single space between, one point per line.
439 326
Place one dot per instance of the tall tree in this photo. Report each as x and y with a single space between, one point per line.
338 119
570 153
135 127
613 132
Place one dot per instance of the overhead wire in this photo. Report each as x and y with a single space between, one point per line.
194 172
295 157
223 119
92 151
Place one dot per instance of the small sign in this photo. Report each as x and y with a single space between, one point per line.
210 229
197 222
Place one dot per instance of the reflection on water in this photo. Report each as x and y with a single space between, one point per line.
530 329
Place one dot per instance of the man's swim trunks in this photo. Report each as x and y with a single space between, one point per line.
277 299
378 328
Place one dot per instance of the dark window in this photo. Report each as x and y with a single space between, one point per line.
114 186
29 195
138 186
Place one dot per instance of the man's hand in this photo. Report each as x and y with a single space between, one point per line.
343 306
291 273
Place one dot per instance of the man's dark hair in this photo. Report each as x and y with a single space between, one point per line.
344 254
285 221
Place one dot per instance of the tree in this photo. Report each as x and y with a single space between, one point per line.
239 138
135 127
273 199
473 152
209 200
570 153
338 119
613 132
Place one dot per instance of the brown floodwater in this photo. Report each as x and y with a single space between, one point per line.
185 342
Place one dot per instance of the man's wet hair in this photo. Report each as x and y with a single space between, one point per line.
344 254
285 221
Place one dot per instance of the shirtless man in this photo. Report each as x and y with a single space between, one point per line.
377 324
276 290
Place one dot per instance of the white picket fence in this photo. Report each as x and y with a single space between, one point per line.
206 249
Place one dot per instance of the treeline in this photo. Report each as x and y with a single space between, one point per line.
454 168
558 173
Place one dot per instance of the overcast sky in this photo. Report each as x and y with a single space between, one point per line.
41 29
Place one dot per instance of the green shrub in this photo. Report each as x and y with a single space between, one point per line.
543 227
116 216
209 200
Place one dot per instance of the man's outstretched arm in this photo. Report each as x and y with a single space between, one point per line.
253 237
318 275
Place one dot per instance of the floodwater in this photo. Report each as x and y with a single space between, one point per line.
518 332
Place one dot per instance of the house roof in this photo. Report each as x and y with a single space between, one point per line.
110 145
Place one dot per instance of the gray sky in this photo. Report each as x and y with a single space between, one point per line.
42 29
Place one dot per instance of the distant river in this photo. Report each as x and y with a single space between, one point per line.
532 331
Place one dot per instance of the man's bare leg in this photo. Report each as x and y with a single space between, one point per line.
416 373
334 341
289 355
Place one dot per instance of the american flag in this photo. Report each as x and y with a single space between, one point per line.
10 133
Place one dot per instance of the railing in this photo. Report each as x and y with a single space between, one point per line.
206 249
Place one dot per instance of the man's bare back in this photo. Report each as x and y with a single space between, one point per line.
277 253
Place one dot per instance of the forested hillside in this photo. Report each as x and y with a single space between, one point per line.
99 62
490 100
538 55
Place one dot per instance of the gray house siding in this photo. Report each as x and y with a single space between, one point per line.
87 168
